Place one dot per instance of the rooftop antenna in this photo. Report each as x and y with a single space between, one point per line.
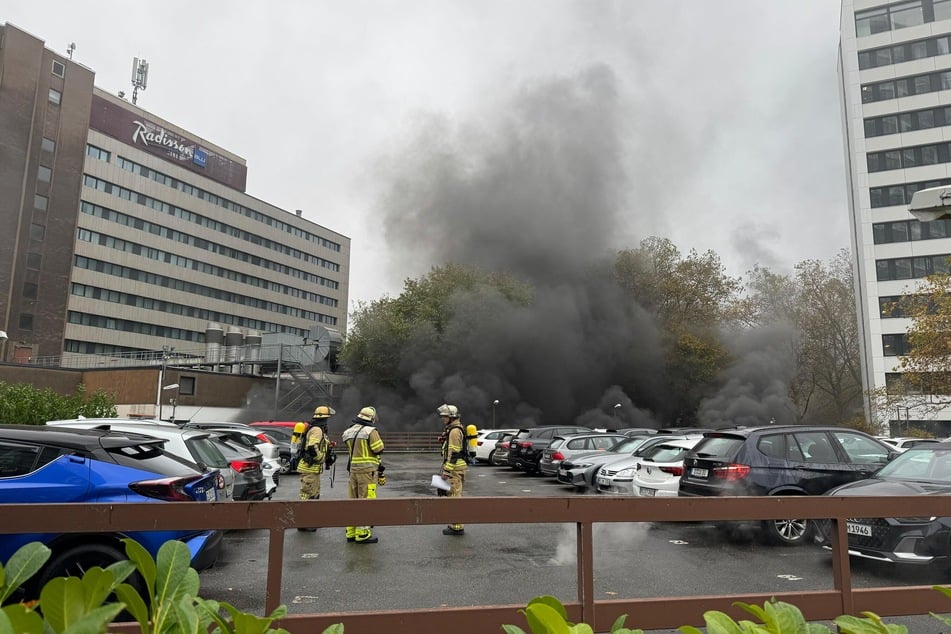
140 76
70 49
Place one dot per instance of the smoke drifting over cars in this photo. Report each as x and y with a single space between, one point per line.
534 188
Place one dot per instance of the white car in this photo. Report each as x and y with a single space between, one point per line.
906 442
485 443
191 444
251 437
656 473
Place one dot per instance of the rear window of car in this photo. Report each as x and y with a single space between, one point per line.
556 442
150 458
205 452
20 459
666 453
718 448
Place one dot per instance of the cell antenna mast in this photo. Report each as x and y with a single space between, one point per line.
140 76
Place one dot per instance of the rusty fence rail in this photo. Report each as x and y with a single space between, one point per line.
583 512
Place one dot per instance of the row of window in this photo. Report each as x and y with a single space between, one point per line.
206 245
185 310
895 345
214 199
910 231
938 383
906 52
890 195
908 121
118 244
138 327
911 268
900 16
145 277
890 306
204 221
906 86
908 157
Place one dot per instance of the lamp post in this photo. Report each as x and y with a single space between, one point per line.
494 403
3 346
617 406
173 401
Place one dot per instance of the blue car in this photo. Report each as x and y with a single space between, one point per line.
58 465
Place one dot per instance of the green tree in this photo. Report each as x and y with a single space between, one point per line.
24 404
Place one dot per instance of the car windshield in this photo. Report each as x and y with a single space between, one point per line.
919 463
628 445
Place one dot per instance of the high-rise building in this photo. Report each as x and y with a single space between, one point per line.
122 232
895 72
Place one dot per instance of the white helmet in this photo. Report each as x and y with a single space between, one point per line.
368 414
448 410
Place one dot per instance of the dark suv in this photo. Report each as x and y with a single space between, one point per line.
781 460
525 448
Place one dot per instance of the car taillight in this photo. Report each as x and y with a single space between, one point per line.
558 456
243 465
524 445
220 482
479 442
169 489
674 471
731 472
503 445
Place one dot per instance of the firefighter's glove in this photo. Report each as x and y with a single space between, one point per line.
331 457
381 477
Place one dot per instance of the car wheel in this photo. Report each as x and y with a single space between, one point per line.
285 462
491 459
787 532
75 561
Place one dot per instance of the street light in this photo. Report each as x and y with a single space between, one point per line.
494 403
616 407
173 401
3 345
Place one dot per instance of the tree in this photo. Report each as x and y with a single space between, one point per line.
24 404
926 367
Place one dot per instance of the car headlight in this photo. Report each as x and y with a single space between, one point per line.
626 473
915 520
578 465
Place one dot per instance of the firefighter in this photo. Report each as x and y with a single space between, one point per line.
314 455
454 463
364 447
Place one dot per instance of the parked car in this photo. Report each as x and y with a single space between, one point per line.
655 472
251 438
485 443
921 470
191 444
781 460
525 450
250 482
907 442
500 457
562 448
65 465
283 432
579 470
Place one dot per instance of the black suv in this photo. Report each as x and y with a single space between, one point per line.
525 448
781 460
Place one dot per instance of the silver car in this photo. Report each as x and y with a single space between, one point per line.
654 472
564 448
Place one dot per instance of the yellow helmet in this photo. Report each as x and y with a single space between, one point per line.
448 410
324 412
368 414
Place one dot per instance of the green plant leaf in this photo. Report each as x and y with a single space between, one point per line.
544 619
849 624
121 570
753 609
135 605
511 629
22 565
337 628
943 590
212 612
616 628
720 623
97 585
817 628
171 566
19 619
186 616
96 621
944 619
62 602
553 603
783 617
144 563
689 629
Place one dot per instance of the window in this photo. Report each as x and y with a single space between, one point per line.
906 15
44 174
894 345
816 448
26 321
186 385
56 97
97 153
33 261
48 145
37 232
861 450
59 68
40 202
942 9
30 290
871 22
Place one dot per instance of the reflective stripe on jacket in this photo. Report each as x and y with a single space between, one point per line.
364 445
452 445
314 438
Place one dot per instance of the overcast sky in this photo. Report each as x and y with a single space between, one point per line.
728 129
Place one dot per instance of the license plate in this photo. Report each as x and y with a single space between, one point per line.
698 472
858 529
603 482
646 492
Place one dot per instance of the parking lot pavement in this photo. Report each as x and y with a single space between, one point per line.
416 567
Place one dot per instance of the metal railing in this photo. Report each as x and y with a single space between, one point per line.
583 512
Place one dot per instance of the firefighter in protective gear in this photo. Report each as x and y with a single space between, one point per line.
454 463
313 455
364 446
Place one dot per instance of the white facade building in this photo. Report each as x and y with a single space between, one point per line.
895 81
